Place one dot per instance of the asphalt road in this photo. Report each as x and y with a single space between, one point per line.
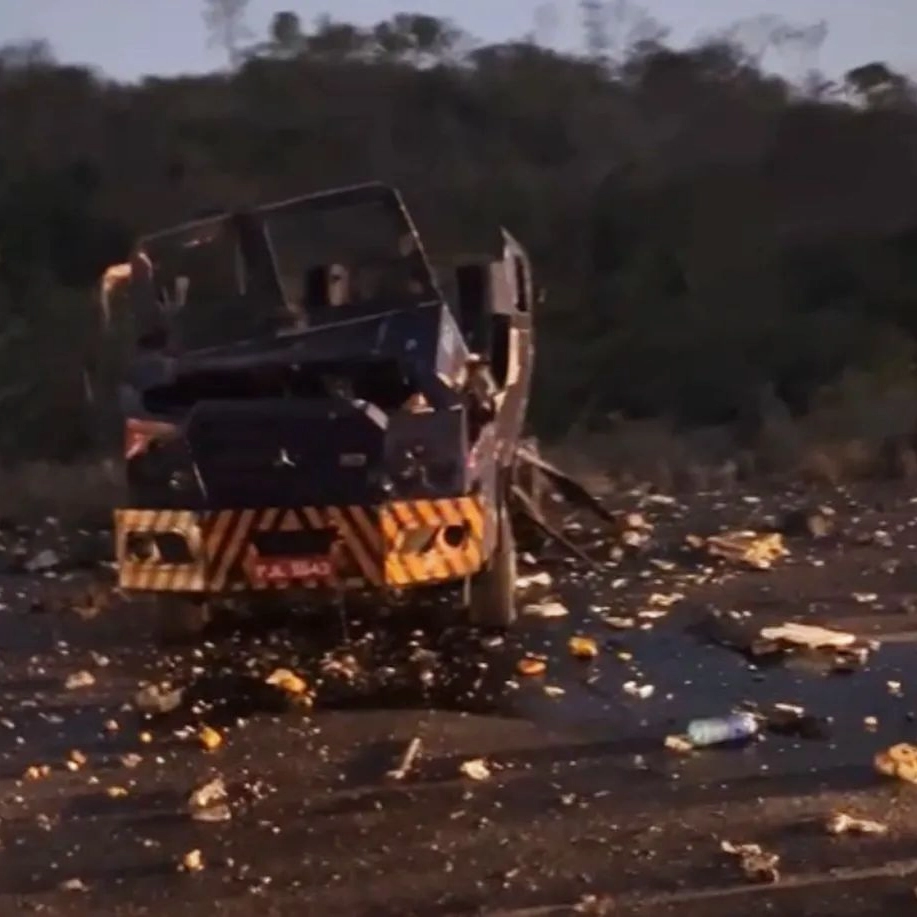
584 808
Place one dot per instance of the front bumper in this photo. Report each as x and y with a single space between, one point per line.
395 545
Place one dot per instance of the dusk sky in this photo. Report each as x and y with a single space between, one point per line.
130 38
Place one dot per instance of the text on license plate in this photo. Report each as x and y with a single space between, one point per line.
272 569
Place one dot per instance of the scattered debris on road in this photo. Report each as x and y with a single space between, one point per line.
748 608
78 680
192 861
541 580
633 534
813 523
583 647
73 885
209 738
43 561
741 633
757 864
293 685
792 720
158 699
594 906
76 760
809 636
679 743
551 609
475 769
341 664
531 666
208 802
899 761
636 690
841 823
618 623
406 761
749 549
736 632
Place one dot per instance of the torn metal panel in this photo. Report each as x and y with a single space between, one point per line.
568 487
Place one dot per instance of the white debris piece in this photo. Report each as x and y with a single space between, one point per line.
642 691
43 560
158 699
551 609
74 885
208 802
808 635
759 865
681 744
402 769
79 680
841 823
542 579
475 769
665 600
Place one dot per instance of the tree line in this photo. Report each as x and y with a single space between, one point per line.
706 231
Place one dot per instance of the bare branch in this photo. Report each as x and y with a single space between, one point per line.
225 19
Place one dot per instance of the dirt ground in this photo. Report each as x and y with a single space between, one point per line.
583 809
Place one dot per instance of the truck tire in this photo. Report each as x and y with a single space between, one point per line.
179 619
492 590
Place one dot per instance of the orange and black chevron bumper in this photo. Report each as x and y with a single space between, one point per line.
395 545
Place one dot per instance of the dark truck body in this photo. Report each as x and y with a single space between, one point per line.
283 434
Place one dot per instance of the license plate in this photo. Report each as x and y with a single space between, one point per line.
284 569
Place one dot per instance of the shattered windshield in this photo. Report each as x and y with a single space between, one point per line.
346 249
351 249
201 284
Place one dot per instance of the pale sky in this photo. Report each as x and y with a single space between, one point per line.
130 38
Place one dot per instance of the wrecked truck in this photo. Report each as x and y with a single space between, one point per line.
307 411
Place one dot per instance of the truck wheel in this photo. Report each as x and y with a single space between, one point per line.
179 619
492 599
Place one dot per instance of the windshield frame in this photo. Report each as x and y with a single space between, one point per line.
256 273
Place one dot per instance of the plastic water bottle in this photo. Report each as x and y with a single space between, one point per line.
722 729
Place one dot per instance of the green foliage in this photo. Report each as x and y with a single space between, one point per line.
704 231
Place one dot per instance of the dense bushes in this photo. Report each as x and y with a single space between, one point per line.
705 231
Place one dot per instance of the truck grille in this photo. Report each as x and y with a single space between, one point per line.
256 457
